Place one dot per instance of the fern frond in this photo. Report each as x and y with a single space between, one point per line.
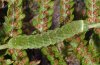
92 10
53 55
66 10
13 20
84 54
44 17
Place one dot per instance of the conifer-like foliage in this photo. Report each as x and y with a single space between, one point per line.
13 20
64 32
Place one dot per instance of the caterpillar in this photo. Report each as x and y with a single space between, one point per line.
50 37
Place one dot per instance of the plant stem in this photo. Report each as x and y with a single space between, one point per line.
3 46
97 25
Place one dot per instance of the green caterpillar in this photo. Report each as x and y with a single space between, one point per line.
48 38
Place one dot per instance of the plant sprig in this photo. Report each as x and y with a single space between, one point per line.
13 20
